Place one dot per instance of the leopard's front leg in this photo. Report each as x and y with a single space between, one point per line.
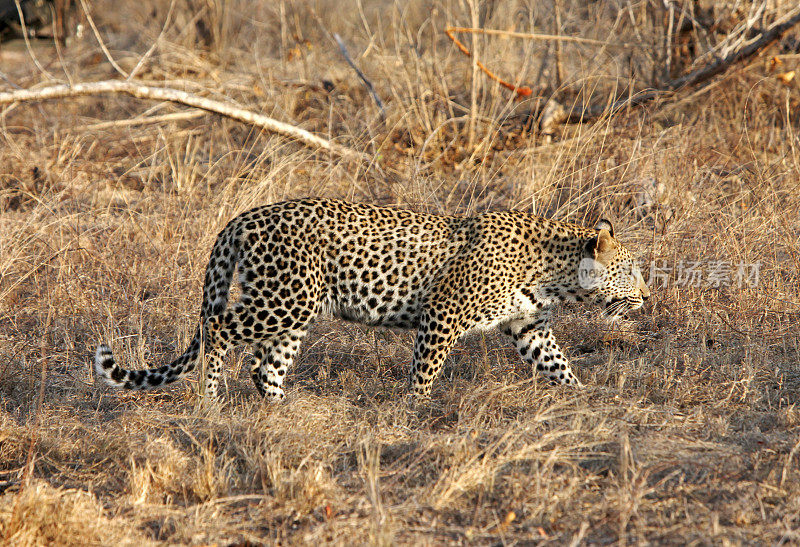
537 346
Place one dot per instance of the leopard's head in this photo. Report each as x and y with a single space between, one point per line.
609 273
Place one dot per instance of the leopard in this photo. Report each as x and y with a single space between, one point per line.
443 275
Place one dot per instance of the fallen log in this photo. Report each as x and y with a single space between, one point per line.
181 97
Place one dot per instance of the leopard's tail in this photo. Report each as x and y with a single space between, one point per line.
219 274
114 375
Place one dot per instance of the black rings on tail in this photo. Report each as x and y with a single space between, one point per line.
219 274
115 376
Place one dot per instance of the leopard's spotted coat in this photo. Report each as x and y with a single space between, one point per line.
443 275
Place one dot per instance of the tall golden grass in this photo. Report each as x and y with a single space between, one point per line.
688 430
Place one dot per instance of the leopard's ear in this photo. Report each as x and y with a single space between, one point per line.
602 248
604 224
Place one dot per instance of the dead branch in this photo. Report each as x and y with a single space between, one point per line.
25 36
696 77
521 91
670 7
181 97
770 35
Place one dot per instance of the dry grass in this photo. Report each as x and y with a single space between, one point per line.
688 430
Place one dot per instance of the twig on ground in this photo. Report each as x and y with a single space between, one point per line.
157 41
100 40
787 465
173 117
180 97
9 82
367 83
28 42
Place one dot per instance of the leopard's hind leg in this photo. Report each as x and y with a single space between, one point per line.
271 360
222 333
274 333
282 284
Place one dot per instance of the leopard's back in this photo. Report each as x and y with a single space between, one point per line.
370 264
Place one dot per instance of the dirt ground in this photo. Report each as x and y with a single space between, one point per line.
688 429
